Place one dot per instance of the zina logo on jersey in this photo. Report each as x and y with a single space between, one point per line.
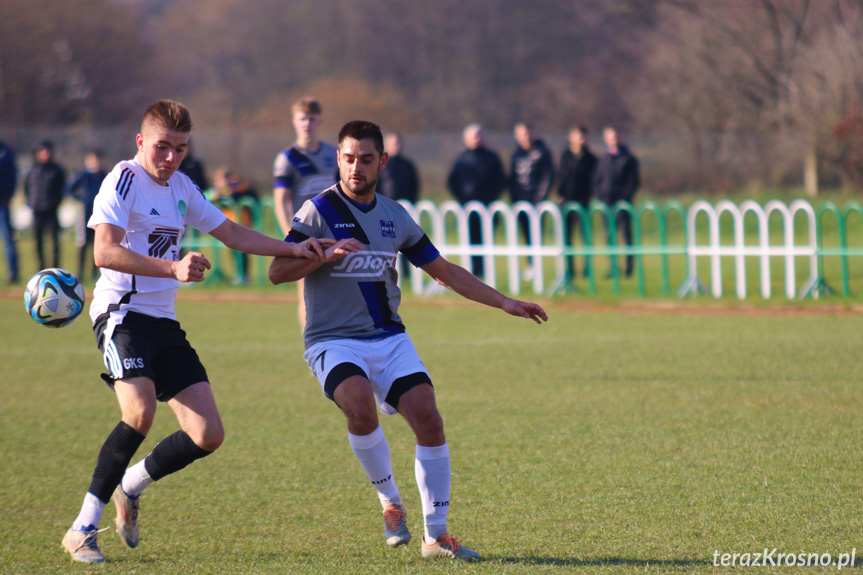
364 264
161 240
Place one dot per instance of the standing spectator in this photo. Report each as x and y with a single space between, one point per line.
531 175
194 169
617 180
577 169
8 181
84 187
43 188
301 172
400 181
476 175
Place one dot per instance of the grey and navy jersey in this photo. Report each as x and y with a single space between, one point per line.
304 173
358 296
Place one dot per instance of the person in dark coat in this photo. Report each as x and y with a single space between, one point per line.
194 168
575 184
617 180
531 176
476 175
43 188
400 180
8 181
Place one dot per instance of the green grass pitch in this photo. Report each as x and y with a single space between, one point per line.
601 442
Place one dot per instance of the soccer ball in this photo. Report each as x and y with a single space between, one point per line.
54 297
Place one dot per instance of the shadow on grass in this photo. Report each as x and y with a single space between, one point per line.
600 561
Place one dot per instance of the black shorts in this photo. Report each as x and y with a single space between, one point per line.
145 346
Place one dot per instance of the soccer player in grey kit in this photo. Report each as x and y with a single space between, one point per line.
355 341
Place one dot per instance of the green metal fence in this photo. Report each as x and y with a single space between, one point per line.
671 244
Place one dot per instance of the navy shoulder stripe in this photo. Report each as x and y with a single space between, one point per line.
296 236
125 182
301 162
338 216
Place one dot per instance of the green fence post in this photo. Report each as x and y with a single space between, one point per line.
627 251
611 242
576 210
650 206
852 207
254 207
672 206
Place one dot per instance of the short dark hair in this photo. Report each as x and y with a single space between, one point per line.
169 115
362 130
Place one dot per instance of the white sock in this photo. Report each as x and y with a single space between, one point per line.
91 513
373 453
433 479
136 479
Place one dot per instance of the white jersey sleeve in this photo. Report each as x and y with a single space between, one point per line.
154 219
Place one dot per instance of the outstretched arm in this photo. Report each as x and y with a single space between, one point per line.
466 285
291 269
247 240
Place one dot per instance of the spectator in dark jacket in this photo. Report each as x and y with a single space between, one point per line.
43 188
476 175
617 180
84 187
531 175
400 180
194 168
8 181
577 170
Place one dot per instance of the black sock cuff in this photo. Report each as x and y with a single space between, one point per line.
172 454
116 452
184 445
124 433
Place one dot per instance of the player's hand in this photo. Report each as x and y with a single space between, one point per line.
191 268
312 248
525 309
342 248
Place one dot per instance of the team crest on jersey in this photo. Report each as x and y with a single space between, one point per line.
181 205
161 240
388 229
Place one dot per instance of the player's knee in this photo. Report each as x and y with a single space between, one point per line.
210 439
430 422
140 419
361 420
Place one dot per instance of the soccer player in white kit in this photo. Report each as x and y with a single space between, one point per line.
356 343
139 218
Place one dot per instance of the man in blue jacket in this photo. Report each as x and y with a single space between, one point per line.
8 180
84 187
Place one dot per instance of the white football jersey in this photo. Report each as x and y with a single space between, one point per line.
154 217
